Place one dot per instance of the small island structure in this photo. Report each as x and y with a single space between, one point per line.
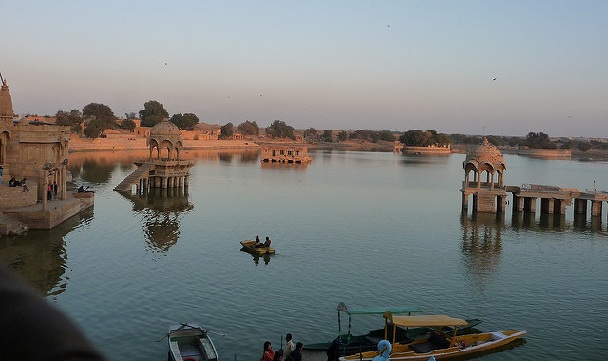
284 154
490 194
163 169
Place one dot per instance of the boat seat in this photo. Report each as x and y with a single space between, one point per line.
436 341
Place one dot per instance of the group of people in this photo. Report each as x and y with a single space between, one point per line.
291 352
259 244
50 190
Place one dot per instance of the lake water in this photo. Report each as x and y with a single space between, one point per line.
367 229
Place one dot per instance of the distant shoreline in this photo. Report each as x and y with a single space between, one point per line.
77 144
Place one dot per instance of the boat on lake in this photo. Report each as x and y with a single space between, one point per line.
439 344
249 246
190 342
349 343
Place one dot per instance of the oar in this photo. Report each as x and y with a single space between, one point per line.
165 336
202 329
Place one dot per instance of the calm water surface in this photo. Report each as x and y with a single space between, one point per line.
367 229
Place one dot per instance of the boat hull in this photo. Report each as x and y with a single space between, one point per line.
476 343
249 246
190 342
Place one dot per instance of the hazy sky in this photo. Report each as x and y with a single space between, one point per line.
395 65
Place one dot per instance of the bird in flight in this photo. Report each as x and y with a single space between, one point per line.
494 79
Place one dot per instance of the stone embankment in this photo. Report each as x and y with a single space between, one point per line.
121 143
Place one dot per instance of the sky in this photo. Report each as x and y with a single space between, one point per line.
473 67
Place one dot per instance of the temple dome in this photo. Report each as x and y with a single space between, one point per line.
165 130
485 153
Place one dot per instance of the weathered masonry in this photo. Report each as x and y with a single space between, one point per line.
484 171
284 154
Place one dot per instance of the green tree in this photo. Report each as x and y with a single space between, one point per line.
72 119
249 128
327 136
127 124
227 131
184 122
152 114
278 129
311 134
386 135
130 116
99 117
539 141
93 129
419 138
343 135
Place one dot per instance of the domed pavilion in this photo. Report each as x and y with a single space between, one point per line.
484 169
164 167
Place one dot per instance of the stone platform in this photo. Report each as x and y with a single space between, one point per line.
37 216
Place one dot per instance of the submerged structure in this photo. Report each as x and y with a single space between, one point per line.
164 168
284 154
484 169
487 166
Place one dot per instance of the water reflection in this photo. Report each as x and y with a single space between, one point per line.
225 155
161 209
279 165
256 258
482 244
40 256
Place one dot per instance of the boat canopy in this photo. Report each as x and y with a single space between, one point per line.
377 310
425 320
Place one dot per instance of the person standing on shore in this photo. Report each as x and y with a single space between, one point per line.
289 347
268 354
296 355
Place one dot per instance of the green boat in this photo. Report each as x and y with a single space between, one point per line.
349 343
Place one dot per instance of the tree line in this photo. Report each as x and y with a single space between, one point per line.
95 118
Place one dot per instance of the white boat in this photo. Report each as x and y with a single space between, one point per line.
190 342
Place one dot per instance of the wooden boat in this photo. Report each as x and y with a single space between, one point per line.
438 344
349 343
190 342
249 246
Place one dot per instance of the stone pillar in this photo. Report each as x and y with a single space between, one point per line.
465 201
547 205
44 187
596 208
580 206
518 203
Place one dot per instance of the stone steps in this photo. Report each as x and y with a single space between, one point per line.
134 177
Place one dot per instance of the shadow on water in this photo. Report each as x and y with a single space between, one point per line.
161 209
40 256
256 258
481 243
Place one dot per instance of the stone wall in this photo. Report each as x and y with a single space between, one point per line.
15 197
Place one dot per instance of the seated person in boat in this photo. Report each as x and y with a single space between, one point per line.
258 244
268 242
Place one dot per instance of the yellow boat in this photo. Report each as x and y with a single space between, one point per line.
249 246
437 343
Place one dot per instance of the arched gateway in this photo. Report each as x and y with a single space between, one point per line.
484 169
